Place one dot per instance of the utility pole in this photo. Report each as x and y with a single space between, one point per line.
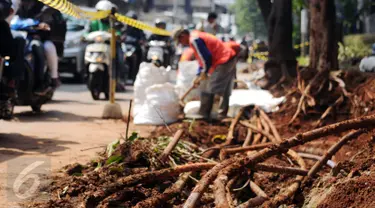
175 7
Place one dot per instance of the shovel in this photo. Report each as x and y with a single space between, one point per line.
197 80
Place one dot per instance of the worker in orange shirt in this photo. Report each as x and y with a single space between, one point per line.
187 55
216 72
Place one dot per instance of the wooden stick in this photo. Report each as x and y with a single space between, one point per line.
172 144
128 121
333 150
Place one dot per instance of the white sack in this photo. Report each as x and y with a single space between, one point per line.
241 98
187 71
161 106
147 76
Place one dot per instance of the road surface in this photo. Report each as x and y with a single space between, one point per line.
62 134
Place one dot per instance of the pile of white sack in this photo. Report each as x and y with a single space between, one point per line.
156 99
187 72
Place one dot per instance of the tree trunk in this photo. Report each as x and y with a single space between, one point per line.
265 7
323 39
282 59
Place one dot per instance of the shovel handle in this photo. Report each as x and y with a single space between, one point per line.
187 93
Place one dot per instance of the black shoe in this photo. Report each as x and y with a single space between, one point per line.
55 83
6 109
42 91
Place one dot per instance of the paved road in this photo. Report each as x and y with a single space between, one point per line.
57 136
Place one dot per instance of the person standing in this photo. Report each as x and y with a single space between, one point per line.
211 26
216 72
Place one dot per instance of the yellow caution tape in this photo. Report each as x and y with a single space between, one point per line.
68 8
94 15
263 55
63 6
140 25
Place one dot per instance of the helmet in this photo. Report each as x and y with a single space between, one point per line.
160 23
132 15
104 5
5 6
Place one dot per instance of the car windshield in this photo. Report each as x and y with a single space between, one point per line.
75 27
74 24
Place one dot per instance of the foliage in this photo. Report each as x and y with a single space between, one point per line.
303 61
133 137
249 18
114 159
355 46
111 147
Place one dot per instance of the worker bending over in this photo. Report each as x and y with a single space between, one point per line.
216 72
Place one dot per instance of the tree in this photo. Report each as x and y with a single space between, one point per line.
323 39
249 18
281 59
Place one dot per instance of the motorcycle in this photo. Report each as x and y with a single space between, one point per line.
26 86
97 61
131 58
158 53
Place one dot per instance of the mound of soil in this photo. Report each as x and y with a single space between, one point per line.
349 184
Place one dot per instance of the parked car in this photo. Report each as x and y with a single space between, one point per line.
73 60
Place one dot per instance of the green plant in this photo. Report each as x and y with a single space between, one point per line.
303 61
352 51
355 46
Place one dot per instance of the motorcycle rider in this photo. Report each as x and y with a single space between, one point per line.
167 39
140 37
12 48
104 25
53 27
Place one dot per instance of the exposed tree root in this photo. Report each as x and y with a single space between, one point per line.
260 131
249 136
333 150
144 178
280 169
230 135
168 194
330 163
229 166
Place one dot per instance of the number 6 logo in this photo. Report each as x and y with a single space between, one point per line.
25 176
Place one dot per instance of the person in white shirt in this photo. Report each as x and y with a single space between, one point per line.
368 63
211 26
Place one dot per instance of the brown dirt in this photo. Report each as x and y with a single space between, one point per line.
349 184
